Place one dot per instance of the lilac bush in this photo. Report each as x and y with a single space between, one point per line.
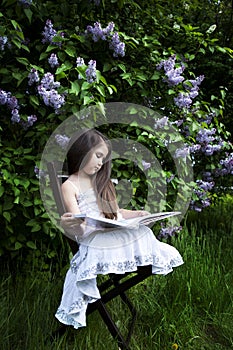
54 67
205 139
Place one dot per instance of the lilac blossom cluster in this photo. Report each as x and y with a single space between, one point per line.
107 34
47 90
201 192
33 77
146 165
62 140
166 232
174 77
161 122
226 166
25 3
205 139
12 104
49 33
90 71
39 173
3 42
53 60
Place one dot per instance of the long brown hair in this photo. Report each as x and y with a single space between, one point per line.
80 147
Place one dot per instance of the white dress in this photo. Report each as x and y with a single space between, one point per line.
116 251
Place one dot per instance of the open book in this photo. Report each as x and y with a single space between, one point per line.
128 223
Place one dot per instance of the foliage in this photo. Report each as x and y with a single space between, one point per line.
59 58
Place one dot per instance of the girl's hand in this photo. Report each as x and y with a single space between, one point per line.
68 221
142 212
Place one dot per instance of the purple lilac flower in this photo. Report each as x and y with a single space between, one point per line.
51 98
181 152
96 32
194 148
205 185
117 46
173 74
33 77
161 123
12 102
80 62
107 34
47 90
204 136
49 33
227 166
207 176
170 178
183 100
202 201
3 97
30 121
53 60
146 165
166 232
25 3
91 71
3 41
62 140
99 33
15 117
39 173
47 82
167 64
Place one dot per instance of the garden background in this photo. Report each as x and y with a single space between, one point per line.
172 57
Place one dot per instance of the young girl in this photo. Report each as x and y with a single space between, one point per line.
89 190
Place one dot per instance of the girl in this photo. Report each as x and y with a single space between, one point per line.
89 190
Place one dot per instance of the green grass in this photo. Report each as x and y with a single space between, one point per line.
192 307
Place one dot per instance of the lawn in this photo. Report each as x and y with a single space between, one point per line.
190 309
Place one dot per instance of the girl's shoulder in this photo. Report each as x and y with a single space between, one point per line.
70 186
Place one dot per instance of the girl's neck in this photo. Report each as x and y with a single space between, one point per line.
82 180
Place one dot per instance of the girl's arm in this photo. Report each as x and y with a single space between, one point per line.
129 214
73 227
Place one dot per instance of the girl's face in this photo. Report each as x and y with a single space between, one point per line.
97 157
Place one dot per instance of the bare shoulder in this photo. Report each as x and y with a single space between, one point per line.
69 187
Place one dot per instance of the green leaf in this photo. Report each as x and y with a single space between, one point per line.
34 100
2 189
75 87
64 67
18 245
7 216
87 100
36 228
31 245
107 67
101 90
155 76
71 51
122 67
15 24
85 86
23 60
28 13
